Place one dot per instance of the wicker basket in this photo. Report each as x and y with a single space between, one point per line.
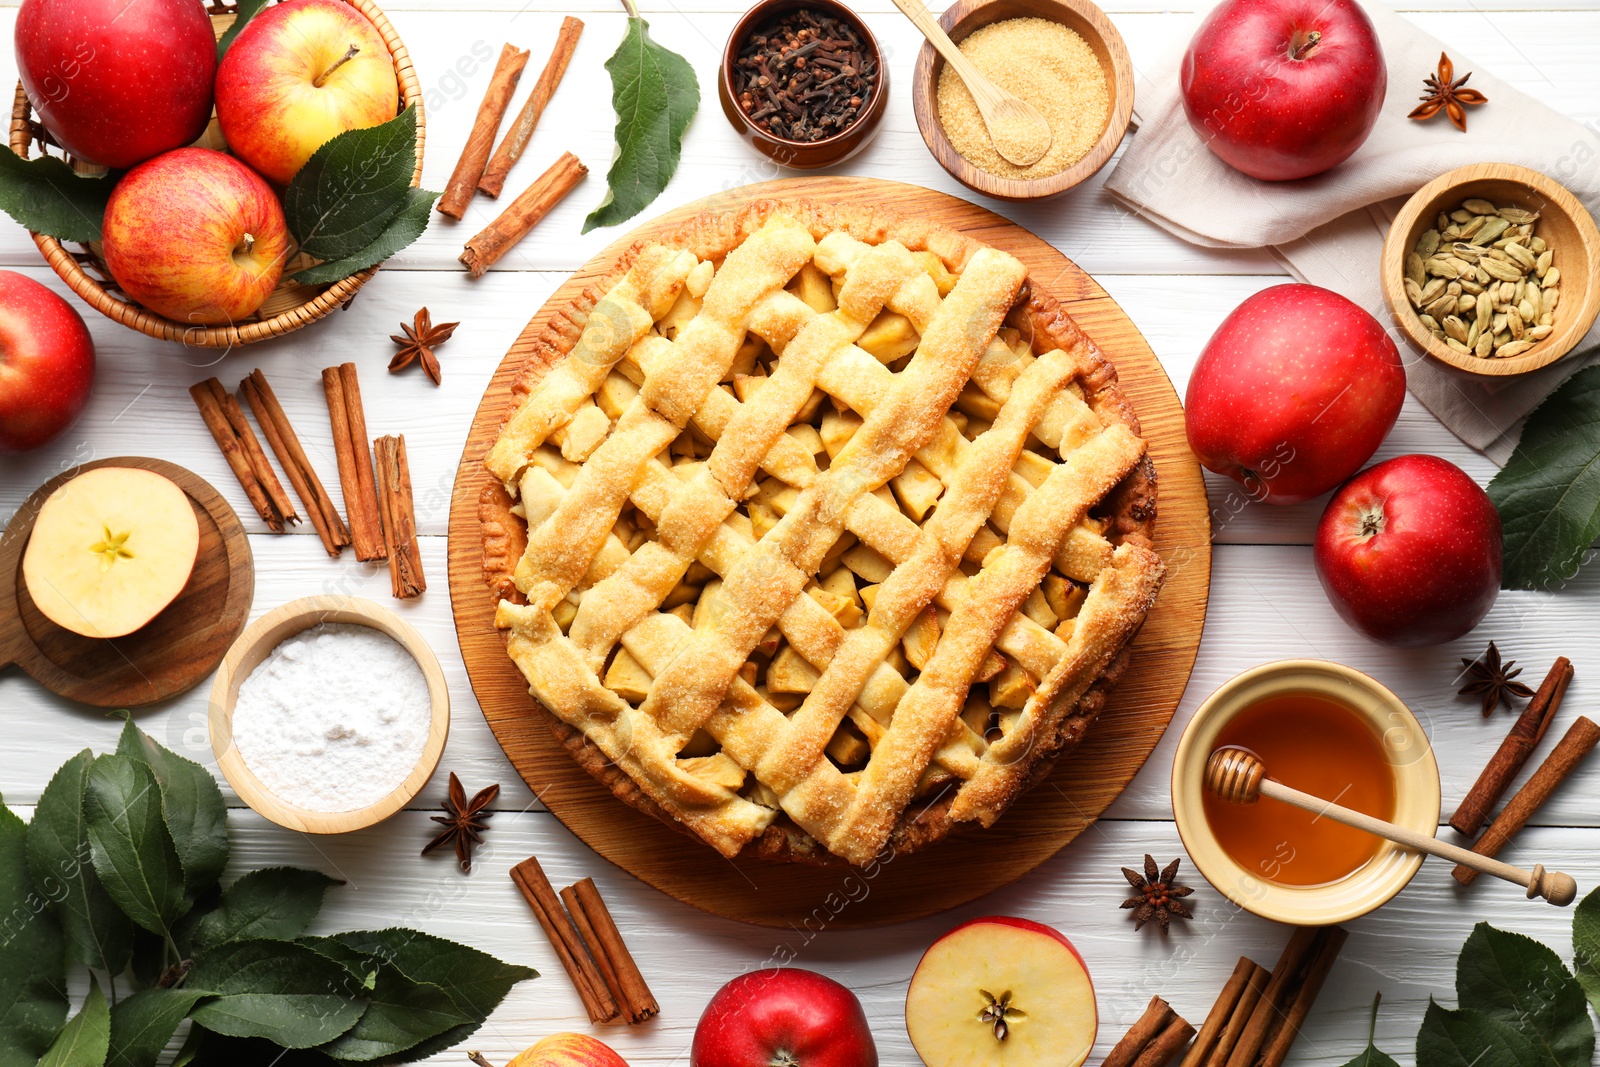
289 307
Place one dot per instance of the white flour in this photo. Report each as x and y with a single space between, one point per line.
334 718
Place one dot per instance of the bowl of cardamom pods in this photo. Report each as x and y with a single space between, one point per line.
1493 269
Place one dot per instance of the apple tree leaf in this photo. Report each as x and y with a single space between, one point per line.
98 934
1372 1055
341 201
275 902
142 1024
1548 493
1467 1038
191 804
655 95
33 965
278 990
132 848
1586 946
85 1040
248 9
405 227
402 1013
49 197
1524 984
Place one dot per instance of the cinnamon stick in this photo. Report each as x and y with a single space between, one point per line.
541 897
586 931
638 1003
1281 1037
1294 985
1525 735
1221 1012
1577 743
517 137
349 421
243 453
469 168
523 214
286 446
1153 1038
399 519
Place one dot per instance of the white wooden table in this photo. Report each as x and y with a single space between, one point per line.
1265 601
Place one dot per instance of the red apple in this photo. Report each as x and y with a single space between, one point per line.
46 363
568 1050
196 236
1409 551
1283 89
301 72
783 1017
1002 990
1293 393
117 82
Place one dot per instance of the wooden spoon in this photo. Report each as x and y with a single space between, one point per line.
1239 776
1019 132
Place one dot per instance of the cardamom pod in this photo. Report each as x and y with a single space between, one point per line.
1515 348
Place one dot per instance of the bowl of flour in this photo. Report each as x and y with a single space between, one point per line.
329 714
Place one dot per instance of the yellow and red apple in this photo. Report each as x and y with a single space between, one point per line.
300 73
196 236
568 1050
46 363
1002 990
109 550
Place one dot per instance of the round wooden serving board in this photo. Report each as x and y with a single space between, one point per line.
175 651
971 862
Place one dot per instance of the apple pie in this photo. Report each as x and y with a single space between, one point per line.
818 532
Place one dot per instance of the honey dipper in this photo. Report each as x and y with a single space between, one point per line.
1239 776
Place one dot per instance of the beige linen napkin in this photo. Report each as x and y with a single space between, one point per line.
1328 230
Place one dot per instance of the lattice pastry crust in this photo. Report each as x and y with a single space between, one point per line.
817 532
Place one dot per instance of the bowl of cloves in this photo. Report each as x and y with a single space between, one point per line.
803 81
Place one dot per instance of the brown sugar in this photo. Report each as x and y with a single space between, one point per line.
1047 65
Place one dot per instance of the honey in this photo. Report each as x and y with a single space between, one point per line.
1320 747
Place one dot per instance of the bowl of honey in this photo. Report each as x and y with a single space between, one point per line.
1330 731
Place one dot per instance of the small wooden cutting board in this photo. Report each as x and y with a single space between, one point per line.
175 651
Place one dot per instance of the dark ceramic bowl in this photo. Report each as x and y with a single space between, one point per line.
802 155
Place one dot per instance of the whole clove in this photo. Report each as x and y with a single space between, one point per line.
805 76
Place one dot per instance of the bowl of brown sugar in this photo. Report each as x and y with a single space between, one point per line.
1062 56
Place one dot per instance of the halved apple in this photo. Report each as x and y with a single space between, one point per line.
1004 991
110 550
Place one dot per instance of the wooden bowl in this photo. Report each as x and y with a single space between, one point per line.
255 644
1564 223
289 307
802 155
1080 16
1405 747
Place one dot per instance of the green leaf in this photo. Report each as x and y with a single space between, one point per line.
248 9
191 804
1586 946
1548 492
87 1038
1523 984
1470 1039
655 95
133 851
475 981
278 990
33 978
47 196
214 1050
276 902
341 201
405 227
1372 1056
403 1013
142 1024
98 934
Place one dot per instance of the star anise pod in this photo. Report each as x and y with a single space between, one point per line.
464 820
417 342
1156 894
1493 681
1444 92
